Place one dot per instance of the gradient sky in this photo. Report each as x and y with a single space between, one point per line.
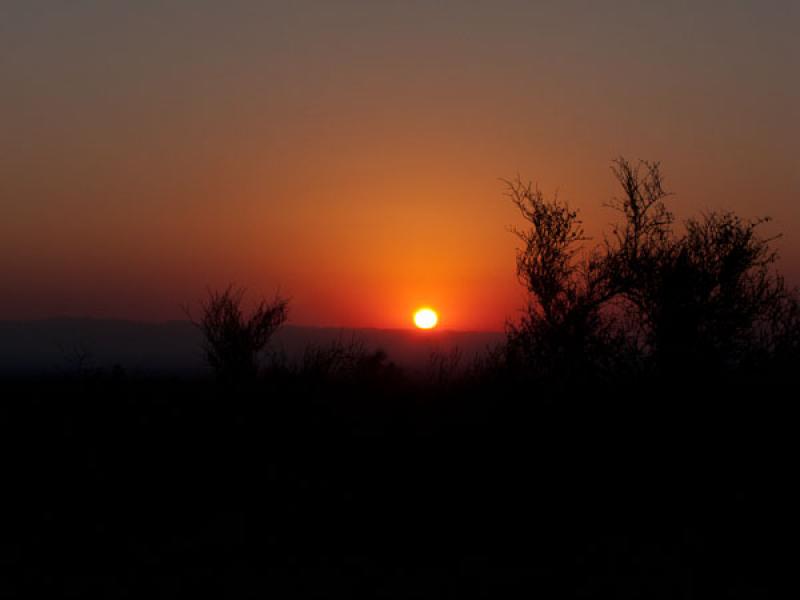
349 153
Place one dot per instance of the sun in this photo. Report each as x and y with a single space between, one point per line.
426 318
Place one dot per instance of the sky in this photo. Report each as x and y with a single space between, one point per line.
350 154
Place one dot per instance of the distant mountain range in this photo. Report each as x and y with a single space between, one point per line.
68 344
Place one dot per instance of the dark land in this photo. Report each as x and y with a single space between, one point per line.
379 485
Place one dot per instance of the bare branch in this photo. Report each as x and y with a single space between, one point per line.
232 340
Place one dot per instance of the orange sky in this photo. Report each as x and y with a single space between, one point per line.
350 155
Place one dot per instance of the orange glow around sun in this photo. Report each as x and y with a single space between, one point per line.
426 318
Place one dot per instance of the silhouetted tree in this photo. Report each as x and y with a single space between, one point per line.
233 340
718 296
643 240
705 300
639 252
562 322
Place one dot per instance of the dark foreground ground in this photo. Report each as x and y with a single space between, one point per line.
160 488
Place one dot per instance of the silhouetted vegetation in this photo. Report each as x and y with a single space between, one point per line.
701 302
234 341
343 360
629 440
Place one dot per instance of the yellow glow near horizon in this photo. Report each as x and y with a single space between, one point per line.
426 318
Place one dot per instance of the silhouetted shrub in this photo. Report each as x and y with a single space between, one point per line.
342 360
562 327
233 340
715 295
696 303
706 300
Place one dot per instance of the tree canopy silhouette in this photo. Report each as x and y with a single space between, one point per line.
706 299
561 321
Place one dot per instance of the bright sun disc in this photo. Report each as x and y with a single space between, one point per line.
426 318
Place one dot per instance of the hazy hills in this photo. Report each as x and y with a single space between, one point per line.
67 344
